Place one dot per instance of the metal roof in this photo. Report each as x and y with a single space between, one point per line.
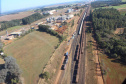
16 33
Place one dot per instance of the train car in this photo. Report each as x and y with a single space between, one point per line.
77 78
82 23
66 54
63 67
78 52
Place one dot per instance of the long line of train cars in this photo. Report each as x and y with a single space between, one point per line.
80 46
80 29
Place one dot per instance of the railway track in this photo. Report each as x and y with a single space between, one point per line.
78 53
79 65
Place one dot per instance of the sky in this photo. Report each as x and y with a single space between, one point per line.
10 5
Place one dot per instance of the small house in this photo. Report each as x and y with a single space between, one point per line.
16 34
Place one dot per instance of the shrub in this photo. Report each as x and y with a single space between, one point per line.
45 75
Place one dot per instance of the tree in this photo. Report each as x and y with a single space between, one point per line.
45 75
3 74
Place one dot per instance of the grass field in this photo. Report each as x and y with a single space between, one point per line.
122 11
11 29
123 0
116 7
116 72
32 53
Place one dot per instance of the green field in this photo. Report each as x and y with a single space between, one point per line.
32 53
11 29
123 0
116 7
123 11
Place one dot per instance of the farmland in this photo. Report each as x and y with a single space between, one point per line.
16 16
117 7
32 53
123 0
115 72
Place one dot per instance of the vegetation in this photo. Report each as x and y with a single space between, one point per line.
64 23
32 53
10 73
45 75
45 28
10 29
78 14
104 22
24 21
75 14
72 23
7 24
32 18
80 11
123 6
52 8
105 3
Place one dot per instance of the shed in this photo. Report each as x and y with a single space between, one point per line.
16 34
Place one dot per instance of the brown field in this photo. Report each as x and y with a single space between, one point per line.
115 72
32 52
16 16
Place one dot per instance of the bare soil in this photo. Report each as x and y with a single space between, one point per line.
2 61
16 16
119 31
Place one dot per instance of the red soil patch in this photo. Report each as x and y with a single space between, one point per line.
108 81
62 29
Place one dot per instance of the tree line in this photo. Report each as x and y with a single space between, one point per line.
52 8
46 28
7 24
105 21
23 21
106 3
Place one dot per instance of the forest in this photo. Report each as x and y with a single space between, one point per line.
105 21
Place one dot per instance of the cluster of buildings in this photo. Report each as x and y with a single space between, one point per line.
49 12
59 19
70 10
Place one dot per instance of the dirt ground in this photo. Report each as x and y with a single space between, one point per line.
32 53
119 31
2 61
98 67
16 16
